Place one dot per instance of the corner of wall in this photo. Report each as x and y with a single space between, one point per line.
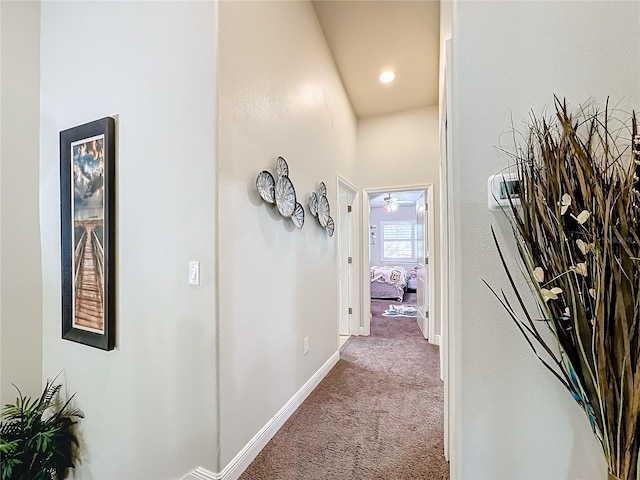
20 256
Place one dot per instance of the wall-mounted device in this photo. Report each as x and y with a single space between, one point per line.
503 190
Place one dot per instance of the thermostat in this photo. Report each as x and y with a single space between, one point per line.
503 190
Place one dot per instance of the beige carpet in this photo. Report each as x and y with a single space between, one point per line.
377 415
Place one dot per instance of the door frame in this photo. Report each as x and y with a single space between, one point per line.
354 284
431 235
365 299
447 274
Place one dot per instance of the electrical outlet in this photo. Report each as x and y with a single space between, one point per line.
305 345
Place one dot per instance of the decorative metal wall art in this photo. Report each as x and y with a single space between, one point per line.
280 191
319 208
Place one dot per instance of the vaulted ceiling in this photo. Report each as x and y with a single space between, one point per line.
368 37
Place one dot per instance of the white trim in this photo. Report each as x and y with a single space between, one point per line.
431 269
202 474
347 183
243 459
447 274
437 341
365 272
354 286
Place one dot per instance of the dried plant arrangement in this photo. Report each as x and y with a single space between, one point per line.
577 231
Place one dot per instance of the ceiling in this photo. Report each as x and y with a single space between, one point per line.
402 198
367 37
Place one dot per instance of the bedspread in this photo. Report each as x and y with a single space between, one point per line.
395 275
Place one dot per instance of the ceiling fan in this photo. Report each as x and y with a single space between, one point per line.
391 203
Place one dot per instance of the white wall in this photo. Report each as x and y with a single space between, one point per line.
279 94
513 419
398 149
150 404
402 149
376 216
21 277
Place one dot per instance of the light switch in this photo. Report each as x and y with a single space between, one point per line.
194 273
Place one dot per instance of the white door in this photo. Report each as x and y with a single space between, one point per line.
422 248
345 232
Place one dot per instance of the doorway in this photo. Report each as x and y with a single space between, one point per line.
399 228
348 262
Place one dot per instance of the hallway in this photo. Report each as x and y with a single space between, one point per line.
378 414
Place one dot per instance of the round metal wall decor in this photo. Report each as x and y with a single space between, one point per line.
313 204
285 197
266 187
319 208
323 211
280 191
298 216
282 168
330 226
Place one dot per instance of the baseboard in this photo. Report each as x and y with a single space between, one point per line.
437 340
202 474
251 450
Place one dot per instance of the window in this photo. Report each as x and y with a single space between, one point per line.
399 241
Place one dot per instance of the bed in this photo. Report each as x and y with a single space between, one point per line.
388 282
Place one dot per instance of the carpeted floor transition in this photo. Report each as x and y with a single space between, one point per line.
377 415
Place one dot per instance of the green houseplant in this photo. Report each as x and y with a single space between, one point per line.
38 440
577 231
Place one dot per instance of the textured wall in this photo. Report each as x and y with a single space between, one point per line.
403 149
21 276
150 404
280 94
398 149
513 419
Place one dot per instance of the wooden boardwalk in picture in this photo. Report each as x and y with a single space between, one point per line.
89 310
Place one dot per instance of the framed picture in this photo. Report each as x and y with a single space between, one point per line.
87 209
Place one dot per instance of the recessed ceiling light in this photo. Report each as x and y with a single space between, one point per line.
387 76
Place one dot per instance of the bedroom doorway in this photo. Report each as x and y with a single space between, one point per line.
348 262
399 228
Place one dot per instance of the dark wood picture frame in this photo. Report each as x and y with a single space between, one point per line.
87 221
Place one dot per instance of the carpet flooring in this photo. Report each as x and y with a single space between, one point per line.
377 415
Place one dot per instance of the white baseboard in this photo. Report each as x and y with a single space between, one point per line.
202 474
437 340
251 450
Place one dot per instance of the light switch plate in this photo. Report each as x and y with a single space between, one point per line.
194 273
